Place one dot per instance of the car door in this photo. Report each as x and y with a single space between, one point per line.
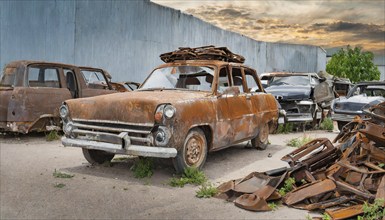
96 82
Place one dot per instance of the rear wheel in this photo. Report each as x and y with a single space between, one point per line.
97 156
193 153
262 140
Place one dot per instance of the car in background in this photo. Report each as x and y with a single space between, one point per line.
302 95
199 101
31 93
362 96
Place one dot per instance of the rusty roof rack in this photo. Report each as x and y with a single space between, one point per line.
202 53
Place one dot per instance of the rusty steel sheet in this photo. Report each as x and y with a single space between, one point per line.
308 191
374 132
345 187
202 53
324 204
381 191
345 213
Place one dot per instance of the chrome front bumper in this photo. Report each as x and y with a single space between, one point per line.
343 117
117 144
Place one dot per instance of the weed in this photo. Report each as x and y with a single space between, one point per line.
58 174
273 206
59 185
285 128
107 163
308 217
143 168
327 124
207 190
381 165
287 187
326 216
120 159
52 136
298 142
373 211
190 175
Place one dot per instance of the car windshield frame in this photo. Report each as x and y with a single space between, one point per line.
290 80
197 77
353 91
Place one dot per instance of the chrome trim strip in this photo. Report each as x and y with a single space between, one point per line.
113 122
102 128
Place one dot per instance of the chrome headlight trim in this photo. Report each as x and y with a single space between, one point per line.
63 111
169 111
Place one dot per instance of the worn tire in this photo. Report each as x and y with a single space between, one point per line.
262 139
341 124
193 153
97 156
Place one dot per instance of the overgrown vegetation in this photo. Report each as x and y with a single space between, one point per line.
273 205
191 175
52 136
300 141
143 167
373 211
59 185
326 216
354 64
285 128
207 190
58 174
287 187
327 124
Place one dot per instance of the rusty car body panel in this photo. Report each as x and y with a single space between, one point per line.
31 93
194 90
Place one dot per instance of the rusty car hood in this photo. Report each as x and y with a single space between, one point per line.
134 107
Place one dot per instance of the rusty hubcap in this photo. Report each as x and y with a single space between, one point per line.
194 150
264 133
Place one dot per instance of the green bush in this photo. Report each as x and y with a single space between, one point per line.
287 187
327 124
207 190
191 175
143 167
52 136
373 211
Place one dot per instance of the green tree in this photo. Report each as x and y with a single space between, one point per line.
353 64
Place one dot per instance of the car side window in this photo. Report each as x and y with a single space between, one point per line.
251 81
94 79
238 78
223 81
43 77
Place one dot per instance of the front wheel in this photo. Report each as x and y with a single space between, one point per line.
193 153
97 156
262 139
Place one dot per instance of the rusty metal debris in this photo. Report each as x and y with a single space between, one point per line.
337 179
202 53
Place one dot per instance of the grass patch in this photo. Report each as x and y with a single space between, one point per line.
191 175
373 211
298 142
326 216
272 205
52 136
118 159
143 168
58 174
285 128
327 124
59 185
287 187
207 190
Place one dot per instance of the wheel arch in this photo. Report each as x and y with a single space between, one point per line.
208 131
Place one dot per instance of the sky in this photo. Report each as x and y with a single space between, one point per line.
325 23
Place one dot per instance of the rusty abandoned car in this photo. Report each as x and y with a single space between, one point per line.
302 95
199 101
31 93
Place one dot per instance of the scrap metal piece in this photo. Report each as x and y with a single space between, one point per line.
308 191
202 53
374 132
345 213
326 203
381 191
345 187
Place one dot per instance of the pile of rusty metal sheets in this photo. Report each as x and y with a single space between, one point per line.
202 53
333 178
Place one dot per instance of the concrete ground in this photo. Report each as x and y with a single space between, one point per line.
27 184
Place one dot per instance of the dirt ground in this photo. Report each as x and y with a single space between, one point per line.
27 184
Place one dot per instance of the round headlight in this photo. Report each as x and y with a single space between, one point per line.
63 111
169 111
68 128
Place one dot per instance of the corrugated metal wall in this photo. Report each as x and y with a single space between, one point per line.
126 37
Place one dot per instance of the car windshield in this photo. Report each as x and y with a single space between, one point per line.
8 77
369 90
181 77
290 80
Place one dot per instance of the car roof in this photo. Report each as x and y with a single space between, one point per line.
288 74
217 63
